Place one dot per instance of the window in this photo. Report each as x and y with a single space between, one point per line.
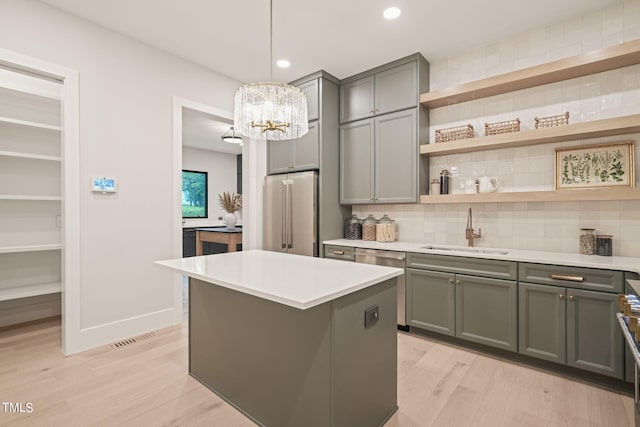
194 194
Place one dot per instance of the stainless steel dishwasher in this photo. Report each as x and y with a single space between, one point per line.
389 259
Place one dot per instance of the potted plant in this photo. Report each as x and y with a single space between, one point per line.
230 202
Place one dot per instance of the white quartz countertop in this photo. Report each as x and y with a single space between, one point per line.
297 281
541 257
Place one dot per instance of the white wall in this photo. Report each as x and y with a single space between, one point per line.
538 226
222 169
126 91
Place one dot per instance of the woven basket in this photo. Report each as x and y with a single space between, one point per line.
502 127
454 133
553 121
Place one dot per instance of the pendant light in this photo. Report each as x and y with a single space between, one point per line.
231 139
270 110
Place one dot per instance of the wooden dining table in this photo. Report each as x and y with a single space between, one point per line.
228 236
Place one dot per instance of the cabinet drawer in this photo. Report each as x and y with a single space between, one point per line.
572 277
492 268
339 252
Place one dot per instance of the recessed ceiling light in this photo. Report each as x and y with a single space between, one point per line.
283 63
391 13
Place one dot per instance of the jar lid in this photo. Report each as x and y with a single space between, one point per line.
435 181
604 236
354 220
385 219
444 172
370 220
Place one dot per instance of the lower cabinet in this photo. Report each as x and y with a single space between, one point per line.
571 326
478 309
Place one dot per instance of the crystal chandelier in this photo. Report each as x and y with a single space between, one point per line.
269 110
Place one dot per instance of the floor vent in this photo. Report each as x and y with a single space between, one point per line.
133 340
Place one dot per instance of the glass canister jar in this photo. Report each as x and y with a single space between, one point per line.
386 230
587 241
369 228
353 228
604 244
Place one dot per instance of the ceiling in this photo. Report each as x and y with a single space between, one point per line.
204 131
338 36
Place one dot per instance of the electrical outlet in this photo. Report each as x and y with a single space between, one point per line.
58 220
371 316
219 218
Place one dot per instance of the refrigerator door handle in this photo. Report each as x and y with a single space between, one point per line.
283 238
290 215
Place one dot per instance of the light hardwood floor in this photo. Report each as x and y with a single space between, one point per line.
146 384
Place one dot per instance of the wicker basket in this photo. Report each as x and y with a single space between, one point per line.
553 121
502 127
454 133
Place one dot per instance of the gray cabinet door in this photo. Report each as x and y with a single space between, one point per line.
311 90
396 157
486 311
357 162
396 89
542 324
279 156
357 99
594 339
430 300
306 149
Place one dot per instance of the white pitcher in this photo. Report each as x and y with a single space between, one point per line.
488 184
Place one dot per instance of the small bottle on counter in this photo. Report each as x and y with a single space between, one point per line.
435 186
386 230
604 244
353 228
587 241
444 182
369 228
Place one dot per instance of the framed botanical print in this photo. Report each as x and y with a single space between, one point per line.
591 166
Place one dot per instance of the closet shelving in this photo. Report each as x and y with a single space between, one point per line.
30 185
610 58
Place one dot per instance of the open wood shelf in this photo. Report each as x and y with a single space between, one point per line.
30 156
30 291
29 124
610 58
29 248
571 195
593 129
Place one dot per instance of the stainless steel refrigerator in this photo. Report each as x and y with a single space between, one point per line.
291 213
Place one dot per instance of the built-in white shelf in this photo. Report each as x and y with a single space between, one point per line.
30 156
29 248
30 198
17 84
29 124
30 291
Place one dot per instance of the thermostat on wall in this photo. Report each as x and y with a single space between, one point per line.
103 185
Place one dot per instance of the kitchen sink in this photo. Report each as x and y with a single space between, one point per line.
487 251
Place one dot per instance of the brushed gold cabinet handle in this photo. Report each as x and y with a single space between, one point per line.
458 282
338 252
561 296
571 298
567 278
451 281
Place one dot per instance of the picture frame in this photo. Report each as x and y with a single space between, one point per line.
595 166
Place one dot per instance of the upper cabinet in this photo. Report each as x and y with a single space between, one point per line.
382 126
383 92
299 154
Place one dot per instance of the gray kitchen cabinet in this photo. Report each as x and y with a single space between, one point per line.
294 154
311 89
344 253
378 161
431 300
594 339
571 326
388 90
542 322
474 308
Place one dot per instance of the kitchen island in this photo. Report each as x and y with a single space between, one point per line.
291 340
